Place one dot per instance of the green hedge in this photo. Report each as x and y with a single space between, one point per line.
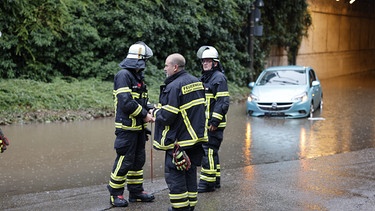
45 39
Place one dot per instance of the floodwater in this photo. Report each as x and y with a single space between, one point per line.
53 156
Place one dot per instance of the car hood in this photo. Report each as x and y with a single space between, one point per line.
280 93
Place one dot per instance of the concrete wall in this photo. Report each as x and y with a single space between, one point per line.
341 40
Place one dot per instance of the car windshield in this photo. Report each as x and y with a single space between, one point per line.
283 77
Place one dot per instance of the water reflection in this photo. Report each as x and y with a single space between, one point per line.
247 146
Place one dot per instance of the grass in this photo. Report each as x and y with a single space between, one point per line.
27 101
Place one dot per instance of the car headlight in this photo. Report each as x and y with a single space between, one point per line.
252 98
301 97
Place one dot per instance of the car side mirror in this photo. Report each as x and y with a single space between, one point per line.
315 83
251 84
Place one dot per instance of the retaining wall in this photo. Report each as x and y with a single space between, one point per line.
341 39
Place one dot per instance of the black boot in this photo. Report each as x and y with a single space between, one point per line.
118 201
181 209
206 187
217 185
141 197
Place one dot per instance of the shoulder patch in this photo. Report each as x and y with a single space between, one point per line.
192 87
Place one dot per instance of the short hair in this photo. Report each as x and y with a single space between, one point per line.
178 59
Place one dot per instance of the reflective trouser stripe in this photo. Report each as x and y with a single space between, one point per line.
218 174
209 175
193 199
211 160
179 200
117 181
135 177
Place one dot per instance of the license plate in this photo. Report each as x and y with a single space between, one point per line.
275 114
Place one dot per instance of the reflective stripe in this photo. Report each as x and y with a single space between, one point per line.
193 198
192 103
164 134
124 127
115 185
118 91
185 117
170 109
179 200
134 177
211 161
118 166
184 143
218 174
135 173
209 95
222 94
115 180
208 175
217 115
189 127
137 111
135 95
222 124
121 90
162 147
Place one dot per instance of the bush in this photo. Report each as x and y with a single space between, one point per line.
44 39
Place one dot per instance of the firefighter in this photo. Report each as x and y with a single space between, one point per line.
217 105
4 142
132 114
180 131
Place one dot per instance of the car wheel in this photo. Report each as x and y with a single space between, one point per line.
311 109
321 103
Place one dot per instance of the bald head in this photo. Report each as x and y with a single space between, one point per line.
174 63
177 59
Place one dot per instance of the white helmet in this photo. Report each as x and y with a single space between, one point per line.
139 50
208 52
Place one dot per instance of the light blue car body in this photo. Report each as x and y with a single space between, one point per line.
287 91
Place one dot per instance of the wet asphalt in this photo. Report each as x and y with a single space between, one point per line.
338 182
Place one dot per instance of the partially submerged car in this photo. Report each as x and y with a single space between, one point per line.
287 91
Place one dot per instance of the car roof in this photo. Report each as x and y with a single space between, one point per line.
289 67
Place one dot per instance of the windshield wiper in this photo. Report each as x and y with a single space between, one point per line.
287 82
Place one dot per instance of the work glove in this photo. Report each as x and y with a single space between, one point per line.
3 142
180 159
147 133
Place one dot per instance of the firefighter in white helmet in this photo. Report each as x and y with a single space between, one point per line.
131 118
217 105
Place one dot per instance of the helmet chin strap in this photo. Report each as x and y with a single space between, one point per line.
213 65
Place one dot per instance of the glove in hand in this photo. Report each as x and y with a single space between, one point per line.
147 134
180 159
3 142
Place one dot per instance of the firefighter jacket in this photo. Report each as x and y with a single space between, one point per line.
180 114
217 97
130 96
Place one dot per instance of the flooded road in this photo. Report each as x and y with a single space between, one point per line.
54 156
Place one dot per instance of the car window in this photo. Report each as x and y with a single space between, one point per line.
312 77
283 77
